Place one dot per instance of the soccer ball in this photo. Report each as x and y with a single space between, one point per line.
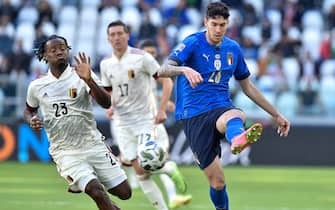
151 156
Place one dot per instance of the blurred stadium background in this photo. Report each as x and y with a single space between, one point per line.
289 46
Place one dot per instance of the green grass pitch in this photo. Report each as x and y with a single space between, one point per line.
37 186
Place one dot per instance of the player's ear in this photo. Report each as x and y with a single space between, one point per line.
205 21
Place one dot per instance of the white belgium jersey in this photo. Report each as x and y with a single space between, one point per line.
130 77
66 107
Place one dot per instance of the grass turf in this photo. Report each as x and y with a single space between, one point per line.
37 186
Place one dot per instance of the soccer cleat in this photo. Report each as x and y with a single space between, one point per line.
179 200
177 178
251 135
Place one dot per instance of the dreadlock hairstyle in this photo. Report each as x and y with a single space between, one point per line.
39 49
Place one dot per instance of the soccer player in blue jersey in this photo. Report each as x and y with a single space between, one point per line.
204 64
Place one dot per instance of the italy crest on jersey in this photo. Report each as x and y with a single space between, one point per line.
229 58
73 92
131 74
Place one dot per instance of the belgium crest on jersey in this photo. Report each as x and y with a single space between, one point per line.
73 92
229 58
131 74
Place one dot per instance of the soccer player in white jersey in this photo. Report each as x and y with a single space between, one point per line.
175 200
64 95
128 74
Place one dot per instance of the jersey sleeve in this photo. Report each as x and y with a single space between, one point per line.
241 72
150 64
183 51
32 100
104 77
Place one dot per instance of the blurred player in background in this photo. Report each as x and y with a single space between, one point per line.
204 63
162 136
127 74
64 95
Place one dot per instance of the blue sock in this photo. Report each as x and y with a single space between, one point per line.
219 198
234 128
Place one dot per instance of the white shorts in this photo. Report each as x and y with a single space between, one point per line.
81 166
161 136
128 138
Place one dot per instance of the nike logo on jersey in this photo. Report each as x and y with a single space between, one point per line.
205 56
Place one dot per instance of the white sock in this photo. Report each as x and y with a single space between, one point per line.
132 176
153 193
169 186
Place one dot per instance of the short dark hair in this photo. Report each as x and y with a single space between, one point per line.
217 9
118 23
146 43
39 49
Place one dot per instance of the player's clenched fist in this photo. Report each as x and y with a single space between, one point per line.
36 123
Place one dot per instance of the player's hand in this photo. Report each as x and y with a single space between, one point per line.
110 112
283 125
193 77
160 117
36 123
83 66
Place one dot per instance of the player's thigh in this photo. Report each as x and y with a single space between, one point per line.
203 138
106 167
162 137
75 169
127 142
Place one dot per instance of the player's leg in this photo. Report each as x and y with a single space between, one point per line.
218 193
109 172
131 174
231 123
204 141
175 200
80 174
96 191
149 187
128 143
170 168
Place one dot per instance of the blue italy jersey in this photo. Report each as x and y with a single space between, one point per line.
216 64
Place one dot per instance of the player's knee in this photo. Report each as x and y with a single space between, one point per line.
125 194
218 185
122 191
217 181
94 189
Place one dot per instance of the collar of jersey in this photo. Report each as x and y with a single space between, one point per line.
124 54
65 74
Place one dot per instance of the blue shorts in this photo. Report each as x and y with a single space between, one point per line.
203 137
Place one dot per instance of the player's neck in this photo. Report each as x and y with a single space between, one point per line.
57 70
119 53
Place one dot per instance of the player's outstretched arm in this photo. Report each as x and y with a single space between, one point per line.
171 68
83 69
255 95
